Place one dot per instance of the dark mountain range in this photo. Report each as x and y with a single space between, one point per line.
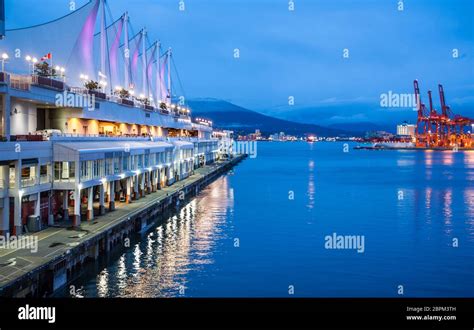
226 115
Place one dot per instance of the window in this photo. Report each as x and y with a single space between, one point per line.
126 163
109 166
44 170
116 165
140 161
64 171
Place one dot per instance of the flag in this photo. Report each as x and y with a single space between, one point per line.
47 57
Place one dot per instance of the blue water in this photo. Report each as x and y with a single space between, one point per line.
260 230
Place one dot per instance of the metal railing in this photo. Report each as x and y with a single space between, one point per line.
28 182
48 82
20 82
45 179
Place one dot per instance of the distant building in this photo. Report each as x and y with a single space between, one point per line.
406 129
379 135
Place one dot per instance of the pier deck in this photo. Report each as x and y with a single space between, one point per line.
55 243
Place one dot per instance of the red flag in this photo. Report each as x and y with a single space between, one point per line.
47 57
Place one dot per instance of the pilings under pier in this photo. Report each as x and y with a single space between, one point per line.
62 252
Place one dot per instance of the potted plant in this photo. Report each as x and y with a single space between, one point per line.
146 102
45 74
43 70
164 108
124 94
92 88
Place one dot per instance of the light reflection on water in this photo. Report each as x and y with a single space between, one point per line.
408 235
161 261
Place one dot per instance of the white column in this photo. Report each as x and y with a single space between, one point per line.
135 186
128 198
90 203
148 183
17 215
37 172
102 199
158 179
112 196
5 215
18 197
50 210
77 208
66 205
38 205
142 185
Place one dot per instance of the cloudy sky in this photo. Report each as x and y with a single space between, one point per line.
299 53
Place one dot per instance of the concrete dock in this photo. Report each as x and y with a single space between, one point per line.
63 251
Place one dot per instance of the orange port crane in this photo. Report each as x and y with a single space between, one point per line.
422 123
457 123
445 129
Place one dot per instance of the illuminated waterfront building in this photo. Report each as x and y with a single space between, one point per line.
74 139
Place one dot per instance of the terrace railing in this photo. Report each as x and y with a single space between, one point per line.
29 181
48 82
20 82
45 179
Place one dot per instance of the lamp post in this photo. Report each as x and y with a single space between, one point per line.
29 59
63 73
60 70
4 58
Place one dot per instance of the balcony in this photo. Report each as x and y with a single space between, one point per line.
22 83
48 83
127 102
28 181
45 179
28 138
98 95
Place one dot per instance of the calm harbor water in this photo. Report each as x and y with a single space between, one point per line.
261 229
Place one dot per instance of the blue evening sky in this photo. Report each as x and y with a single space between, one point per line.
299 53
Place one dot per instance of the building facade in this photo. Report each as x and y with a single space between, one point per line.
70 162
